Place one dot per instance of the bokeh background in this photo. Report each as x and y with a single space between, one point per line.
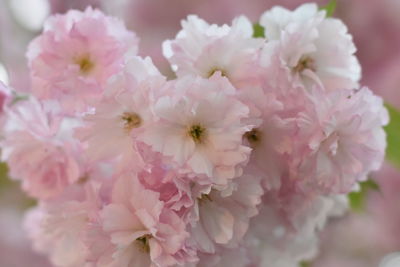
360 239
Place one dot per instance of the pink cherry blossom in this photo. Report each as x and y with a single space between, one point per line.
57 232
111 130
203 49
175 189
345 139
45 169
282 236
59 228
271 138
221 216
301 43
37 151
142 231
201 127
68 64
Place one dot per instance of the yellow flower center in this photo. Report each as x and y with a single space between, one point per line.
131 120
214 70
83 179
143 243
204 198
197 133
86 65
305 63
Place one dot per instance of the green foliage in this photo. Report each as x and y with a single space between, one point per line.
357 199
18 98
4 180
329 8
393 136
8 185
305 264
258 31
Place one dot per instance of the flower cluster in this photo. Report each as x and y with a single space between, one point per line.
238 161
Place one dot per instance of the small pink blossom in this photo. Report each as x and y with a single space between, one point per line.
37 152
142 231
300 42
286 231
68 63
201 127
46 170
111 130
203 49
344 139
174 188
221 217
59 228
271 139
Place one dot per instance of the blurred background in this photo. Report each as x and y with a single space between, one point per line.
360 239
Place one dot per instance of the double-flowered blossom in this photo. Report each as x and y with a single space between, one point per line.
285 236
200 125
310 48
141 229
344 139
40 149
203 49
237 162
76 55
123 114
60 228
222 216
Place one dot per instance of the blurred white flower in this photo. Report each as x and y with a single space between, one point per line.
3 74
391 260
30 14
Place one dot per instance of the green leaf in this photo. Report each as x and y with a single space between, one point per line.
18 98
305 264
6 184
4 180
258 31
393 136
357 199
329 8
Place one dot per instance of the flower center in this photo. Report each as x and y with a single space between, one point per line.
305 63
214 70
253 136
197 133
83 179
131 120
204 198
86 65
143 243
